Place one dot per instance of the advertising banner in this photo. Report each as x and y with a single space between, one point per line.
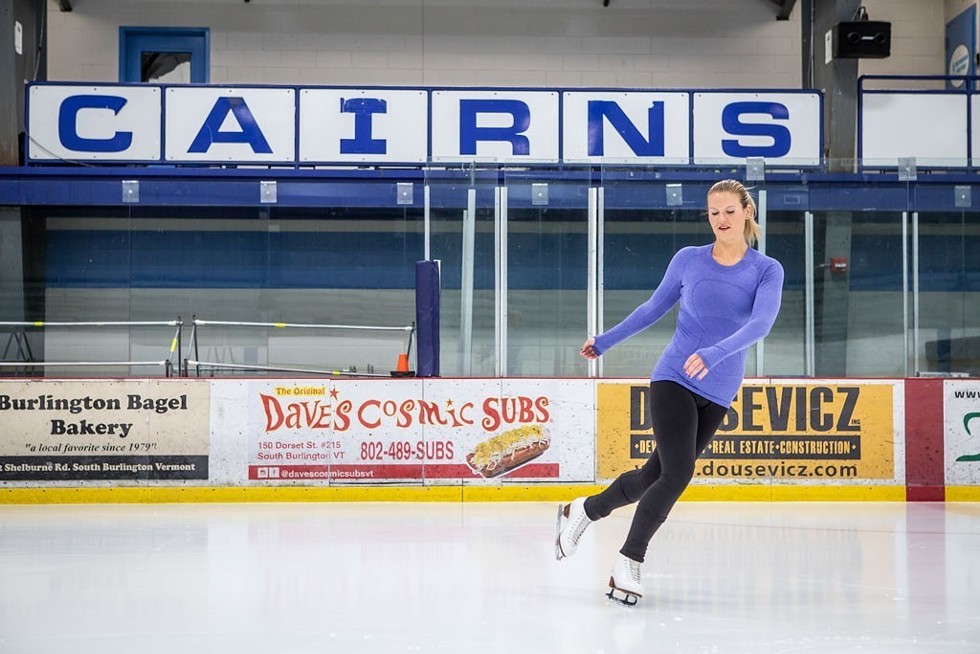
826 431
961 418
414 430
104 430
961 46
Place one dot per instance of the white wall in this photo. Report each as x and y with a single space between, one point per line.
918 38
955 7
632 43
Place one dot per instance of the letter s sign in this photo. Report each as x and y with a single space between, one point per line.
730 127
731 122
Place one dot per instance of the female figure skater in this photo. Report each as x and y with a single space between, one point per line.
729 296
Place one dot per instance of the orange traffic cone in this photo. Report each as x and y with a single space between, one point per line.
401 368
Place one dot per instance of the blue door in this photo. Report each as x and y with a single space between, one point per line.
164 55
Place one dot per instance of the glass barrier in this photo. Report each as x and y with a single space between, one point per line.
461 237
946 298
645 221
882 273
784 237
860 317
546 272
338 265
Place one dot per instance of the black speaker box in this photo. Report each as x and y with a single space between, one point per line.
869 39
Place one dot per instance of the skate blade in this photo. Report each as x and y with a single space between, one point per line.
625 598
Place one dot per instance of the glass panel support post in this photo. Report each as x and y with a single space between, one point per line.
466 284
592 286
500 279
809 346
760 356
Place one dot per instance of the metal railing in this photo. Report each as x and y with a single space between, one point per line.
25 360
351 371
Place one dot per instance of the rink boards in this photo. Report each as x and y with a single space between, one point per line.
432 439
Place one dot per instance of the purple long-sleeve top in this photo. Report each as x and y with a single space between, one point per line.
723 310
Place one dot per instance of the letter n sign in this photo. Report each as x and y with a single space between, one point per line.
632 126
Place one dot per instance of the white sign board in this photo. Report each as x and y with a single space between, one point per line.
627 127
730 127
376 125
230 124
931 127
495 126
94 123
362 125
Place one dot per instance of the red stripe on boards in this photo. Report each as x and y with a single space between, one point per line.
925 476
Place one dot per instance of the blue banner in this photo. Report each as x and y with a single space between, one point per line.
961 46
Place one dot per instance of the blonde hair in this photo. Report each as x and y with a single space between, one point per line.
752 229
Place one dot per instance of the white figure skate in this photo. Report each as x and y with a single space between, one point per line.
572 521
624 583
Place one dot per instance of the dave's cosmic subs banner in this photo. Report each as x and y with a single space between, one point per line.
94 430
825 431
484 431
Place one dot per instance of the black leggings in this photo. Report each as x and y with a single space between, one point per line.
683 425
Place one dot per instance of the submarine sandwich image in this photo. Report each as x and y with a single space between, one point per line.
508 450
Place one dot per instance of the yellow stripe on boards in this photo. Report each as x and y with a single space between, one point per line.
455 493
963 493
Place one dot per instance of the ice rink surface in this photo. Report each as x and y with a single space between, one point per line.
469 578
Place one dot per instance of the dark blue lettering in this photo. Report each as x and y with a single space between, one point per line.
470 134
732 124
653 146
363 109
211 130
68 124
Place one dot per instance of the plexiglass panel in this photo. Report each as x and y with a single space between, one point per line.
888 287
784 351
948 308
547 262
640 234
272 288
462 239
859 305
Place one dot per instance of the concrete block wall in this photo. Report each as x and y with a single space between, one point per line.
574 43
918 38
554 43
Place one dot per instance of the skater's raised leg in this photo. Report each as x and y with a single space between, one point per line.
572 522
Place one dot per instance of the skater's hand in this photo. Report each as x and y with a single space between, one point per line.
694 367
588 349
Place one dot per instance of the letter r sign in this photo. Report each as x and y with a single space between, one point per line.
499 126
